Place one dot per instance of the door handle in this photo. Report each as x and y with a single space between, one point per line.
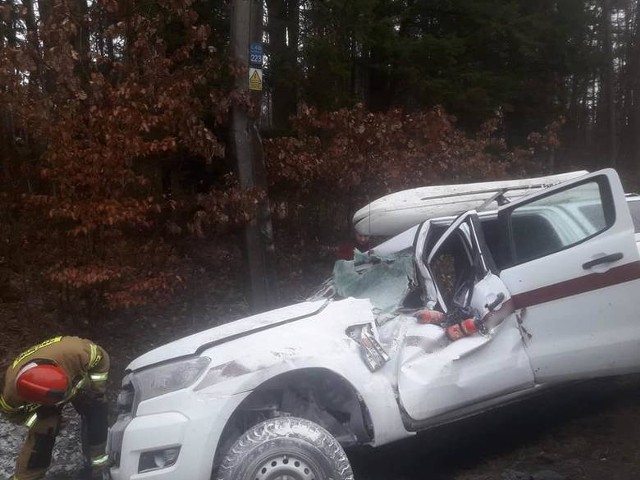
614 257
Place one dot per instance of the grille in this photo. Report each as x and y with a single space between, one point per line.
124 403
116 435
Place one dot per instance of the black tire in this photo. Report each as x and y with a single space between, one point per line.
285 448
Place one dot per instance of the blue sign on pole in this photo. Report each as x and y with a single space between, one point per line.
255 54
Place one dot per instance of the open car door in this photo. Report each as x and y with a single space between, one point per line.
573 270
438 377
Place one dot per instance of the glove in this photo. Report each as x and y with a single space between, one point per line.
15 418
86 398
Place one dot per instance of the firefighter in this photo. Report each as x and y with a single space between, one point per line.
39 383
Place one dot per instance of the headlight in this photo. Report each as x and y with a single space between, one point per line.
169 377
125 399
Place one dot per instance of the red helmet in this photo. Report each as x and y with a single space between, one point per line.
46 384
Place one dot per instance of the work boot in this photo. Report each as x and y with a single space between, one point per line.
88 473
84 473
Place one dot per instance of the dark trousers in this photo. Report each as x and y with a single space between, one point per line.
35 456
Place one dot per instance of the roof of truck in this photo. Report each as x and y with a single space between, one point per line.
396 212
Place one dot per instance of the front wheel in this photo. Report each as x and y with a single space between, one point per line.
285 448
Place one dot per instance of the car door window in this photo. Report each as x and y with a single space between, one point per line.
456 262
452 268
558 221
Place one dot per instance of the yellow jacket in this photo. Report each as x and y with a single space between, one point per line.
85 363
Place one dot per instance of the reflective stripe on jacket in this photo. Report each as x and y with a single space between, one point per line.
85 363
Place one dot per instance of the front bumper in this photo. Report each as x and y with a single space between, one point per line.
152 433
157 425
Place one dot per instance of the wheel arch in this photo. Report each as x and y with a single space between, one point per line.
317 394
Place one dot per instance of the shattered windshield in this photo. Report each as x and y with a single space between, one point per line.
385 281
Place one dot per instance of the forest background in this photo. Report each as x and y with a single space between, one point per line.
118 196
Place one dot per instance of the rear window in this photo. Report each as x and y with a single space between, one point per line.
594 215
634 208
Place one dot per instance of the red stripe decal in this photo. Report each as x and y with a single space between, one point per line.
492 319
575 286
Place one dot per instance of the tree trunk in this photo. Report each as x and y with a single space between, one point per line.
633 94
8 39
45 9
608 88
33 44
378 80
282 28
80 41
10 26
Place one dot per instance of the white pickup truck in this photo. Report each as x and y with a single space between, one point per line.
548 281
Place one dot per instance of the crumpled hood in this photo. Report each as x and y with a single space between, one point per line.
189 345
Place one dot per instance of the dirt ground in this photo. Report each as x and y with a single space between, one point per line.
585 432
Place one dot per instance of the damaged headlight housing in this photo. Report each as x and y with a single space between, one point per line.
169 377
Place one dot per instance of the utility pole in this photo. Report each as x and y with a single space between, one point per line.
259 251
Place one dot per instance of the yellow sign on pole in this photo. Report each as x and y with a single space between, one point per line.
255 79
